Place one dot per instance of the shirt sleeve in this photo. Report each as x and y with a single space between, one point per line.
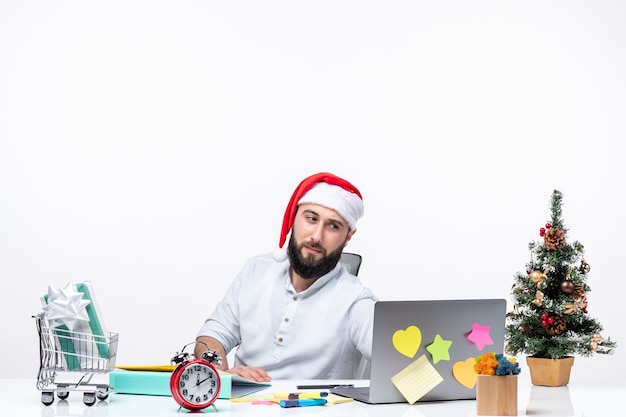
223 323
362 323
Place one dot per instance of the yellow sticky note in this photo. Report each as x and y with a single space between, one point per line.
333 399
417 379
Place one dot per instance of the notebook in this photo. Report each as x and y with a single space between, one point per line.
424 350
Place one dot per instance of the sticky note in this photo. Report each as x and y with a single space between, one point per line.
417 379
439 349
333 399
407 341
464 372
480 336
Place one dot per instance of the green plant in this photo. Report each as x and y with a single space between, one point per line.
550 317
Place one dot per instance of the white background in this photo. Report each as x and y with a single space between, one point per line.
151 147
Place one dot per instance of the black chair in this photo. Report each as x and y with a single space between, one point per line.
352 262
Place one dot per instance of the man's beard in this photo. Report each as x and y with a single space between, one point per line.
308 267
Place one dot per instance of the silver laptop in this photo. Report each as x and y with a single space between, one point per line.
462 329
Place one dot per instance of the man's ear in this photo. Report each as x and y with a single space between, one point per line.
350 234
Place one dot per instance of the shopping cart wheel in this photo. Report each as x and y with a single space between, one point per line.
89 398
47 397
103 392
61 393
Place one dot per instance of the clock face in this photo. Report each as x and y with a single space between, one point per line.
195 385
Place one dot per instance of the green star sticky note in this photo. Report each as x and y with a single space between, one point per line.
439 349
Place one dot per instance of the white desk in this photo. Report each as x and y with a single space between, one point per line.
20 397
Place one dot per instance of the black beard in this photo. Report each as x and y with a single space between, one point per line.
308 268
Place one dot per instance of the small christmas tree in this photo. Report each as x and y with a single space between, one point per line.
550 317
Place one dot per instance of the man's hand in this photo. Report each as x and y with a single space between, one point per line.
251 373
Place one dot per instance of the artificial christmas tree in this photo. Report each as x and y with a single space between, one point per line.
550 320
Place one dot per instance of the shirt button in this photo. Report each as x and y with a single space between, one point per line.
286 319
295 298
280 340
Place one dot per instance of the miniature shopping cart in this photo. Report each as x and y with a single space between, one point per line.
70 360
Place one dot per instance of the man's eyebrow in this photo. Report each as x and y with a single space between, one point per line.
337 221
310 212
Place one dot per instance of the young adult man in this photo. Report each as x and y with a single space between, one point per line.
298 313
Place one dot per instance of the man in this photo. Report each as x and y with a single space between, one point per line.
298 314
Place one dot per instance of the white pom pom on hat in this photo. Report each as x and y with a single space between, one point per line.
327 190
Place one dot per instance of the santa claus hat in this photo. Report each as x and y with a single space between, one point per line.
327 190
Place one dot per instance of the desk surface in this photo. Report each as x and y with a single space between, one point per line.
21 397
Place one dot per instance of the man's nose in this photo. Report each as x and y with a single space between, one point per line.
317 233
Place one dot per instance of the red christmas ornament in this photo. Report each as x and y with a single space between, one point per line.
544 323
548 225
542 232
544 316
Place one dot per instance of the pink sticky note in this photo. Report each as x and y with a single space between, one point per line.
480 336
263 402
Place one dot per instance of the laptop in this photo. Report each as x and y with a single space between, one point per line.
446 335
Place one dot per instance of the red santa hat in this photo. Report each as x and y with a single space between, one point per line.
327 190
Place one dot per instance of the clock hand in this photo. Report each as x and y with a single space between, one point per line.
201 382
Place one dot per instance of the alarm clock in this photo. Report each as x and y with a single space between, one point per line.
195 383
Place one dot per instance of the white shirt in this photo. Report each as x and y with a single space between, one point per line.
320 333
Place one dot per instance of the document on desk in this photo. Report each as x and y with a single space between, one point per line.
140 379
239 386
